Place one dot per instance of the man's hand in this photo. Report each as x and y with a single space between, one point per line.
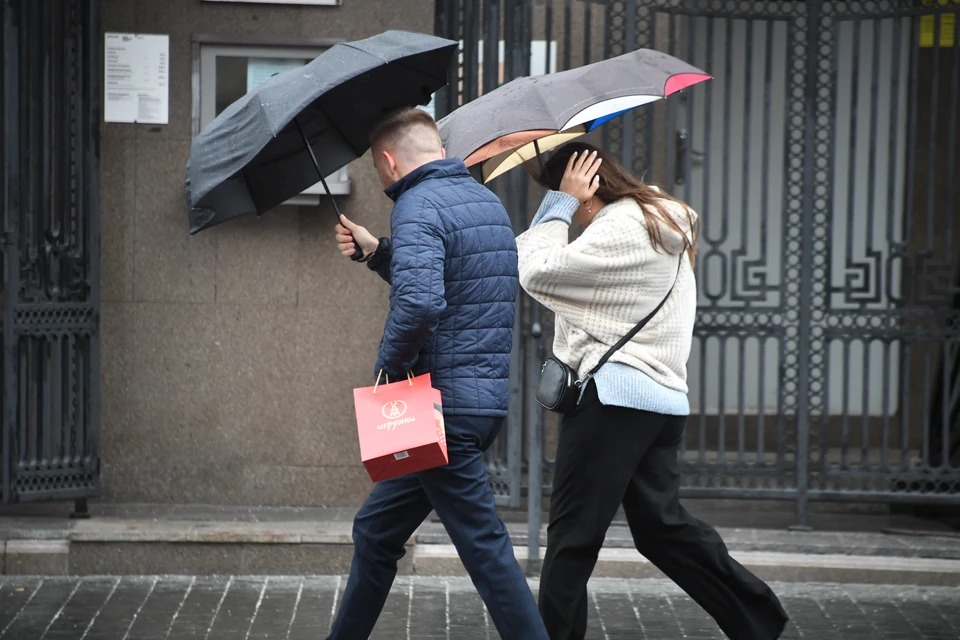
347 232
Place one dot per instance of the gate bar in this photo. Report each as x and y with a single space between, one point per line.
806 271
8 236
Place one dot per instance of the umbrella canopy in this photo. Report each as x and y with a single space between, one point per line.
513 123
254 155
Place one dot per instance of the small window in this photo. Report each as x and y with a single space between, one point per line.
228 72
318 3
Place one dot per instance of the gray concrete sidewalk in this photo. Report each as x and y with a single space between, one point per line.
204 540
296 608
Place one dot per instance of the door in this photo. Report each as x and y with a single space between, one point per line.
733 149
822 159
50 446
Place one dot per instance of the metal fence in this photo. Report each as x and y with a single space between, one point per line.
823 159
50 100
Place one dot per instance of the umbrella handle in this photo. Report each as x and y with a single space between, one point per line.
357 255
357 252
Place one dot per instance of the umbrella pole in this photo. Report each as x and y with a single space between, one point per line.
543 168
357 253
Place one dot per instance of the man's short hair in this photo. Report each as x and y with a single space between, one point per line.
407 130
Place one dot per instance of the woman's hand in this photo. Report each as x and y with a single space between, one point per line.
580 179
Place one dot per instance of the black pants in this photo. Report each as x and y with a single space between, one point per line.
608 455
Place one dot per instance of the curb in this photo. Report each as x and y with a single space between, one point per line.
442 560
202 547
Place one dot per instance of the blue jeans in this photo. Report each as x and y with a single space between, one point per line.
460 494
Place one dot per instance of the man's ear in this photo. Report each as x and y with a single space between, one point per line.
391 161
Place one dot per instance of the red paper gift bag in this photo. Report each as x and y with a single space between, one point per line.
400 427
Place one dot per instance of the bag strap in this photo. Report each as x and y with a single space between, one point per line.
627 338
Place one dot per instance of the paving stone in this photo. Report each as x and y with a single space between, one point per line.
125 604
74 617
237 609
37 612
298 608
281 599
317 600
153 620
15 593
200 605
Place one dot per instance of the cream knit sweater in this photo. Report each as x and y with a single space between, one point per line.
602 284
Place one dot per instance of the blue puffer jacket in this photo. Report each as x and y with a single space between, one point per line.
452 266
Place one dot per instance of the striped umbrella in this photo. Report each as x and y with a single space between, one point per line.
516 122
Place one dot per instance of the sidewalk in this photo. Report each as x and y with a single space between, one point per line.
205 540
296 608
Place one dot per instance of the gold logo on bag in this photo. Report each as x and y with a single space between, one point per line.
394 409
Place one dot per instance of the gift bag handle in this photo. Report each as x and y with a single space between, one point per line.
410 377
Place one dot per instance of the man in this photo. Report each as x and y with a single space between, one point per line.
451 262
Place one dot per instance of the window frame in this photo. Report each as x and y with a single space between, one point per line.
207 48
309 3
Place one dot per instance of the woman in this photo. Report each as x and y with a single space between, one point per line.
620 444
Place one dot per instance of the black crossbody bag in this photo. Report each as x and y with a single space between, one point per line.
559 389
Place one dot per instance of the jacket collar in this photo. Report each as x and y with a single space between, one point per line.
448 168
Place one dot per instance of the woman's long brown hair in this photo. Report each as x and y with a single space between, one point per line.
616 184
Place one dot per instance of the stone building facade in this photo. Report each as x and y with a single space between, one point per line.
228 357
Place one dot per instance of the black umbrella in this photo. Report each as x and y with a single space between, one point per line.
514 123
307 123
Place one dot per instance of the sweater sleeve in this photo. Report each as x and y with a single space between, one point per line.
556 205
562 275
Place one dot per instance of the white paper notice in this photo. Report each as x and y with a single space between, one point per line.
137 78
260 69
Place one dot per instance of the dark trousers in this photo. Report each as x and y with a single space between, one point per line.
460 494
610 455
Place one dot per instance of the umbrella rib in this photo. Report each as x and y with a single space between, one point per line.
329 119
543 168
334 124
387 63
296 152
342 134
395 63
400 64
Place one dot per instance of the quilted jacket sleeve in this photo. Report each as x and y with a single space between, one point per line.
417 298
380 262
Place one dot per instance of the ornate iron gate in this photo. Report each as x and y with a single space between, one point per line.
823 161
50 447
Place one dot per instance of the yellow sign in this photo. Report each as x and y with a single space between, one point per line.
928 25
